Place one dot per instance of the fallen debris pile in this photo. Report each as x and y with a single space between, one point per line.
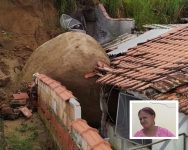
19 99
21 104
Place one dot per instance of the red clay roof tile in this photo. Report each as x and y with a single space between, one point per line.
89 75
149 62
20 96
26 112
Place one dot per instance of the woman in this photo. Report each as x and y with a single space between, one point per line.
147 120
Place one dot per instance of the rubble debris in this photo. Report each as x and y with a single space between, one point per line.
26 112
19 99
89 75
20 96
7 110
21 103
32 92
16 103
8 113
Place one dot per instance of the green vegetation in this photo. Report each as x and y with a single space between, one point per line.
66 6
25 127
147 11
15 143
23 138
155 11
7 35
114 7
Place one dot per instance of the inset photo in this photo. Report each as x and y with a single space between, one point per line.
154 119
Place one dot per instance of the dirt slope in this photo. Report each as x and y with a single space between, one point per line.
24 25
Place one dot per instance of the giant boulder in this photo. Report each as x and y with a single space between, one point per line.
67 58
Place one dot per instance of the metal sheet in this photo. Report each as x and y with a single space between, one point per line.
123 47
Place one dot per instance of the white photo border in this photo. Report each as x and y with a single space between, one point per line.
154 101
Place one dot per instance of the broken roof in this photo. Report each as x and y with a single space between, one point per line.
157 68
123 42
115 43
134 41
162 26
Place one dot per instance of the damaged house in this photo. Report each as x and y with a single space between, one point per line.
153 70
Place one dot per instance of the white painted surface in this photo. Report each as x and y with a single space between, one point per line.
117 142
76 108
54 106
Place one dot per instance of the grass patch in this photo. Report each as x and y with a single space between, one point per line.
155 11
33 135
114 7
16 143
7 35
23 138
147 11
66 6
25 128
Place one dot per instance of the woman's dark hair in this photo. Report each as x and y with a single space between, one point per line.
147 110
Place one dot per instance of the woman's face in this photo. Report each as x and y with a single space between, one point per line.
146 120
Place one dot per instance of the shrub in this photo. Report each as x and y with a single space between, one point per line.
66 6
147 11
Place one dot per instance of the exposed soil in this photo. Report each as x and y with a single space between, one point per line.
24 25
30 134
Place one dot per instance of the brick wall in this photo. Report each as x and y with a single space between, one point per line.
61 113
